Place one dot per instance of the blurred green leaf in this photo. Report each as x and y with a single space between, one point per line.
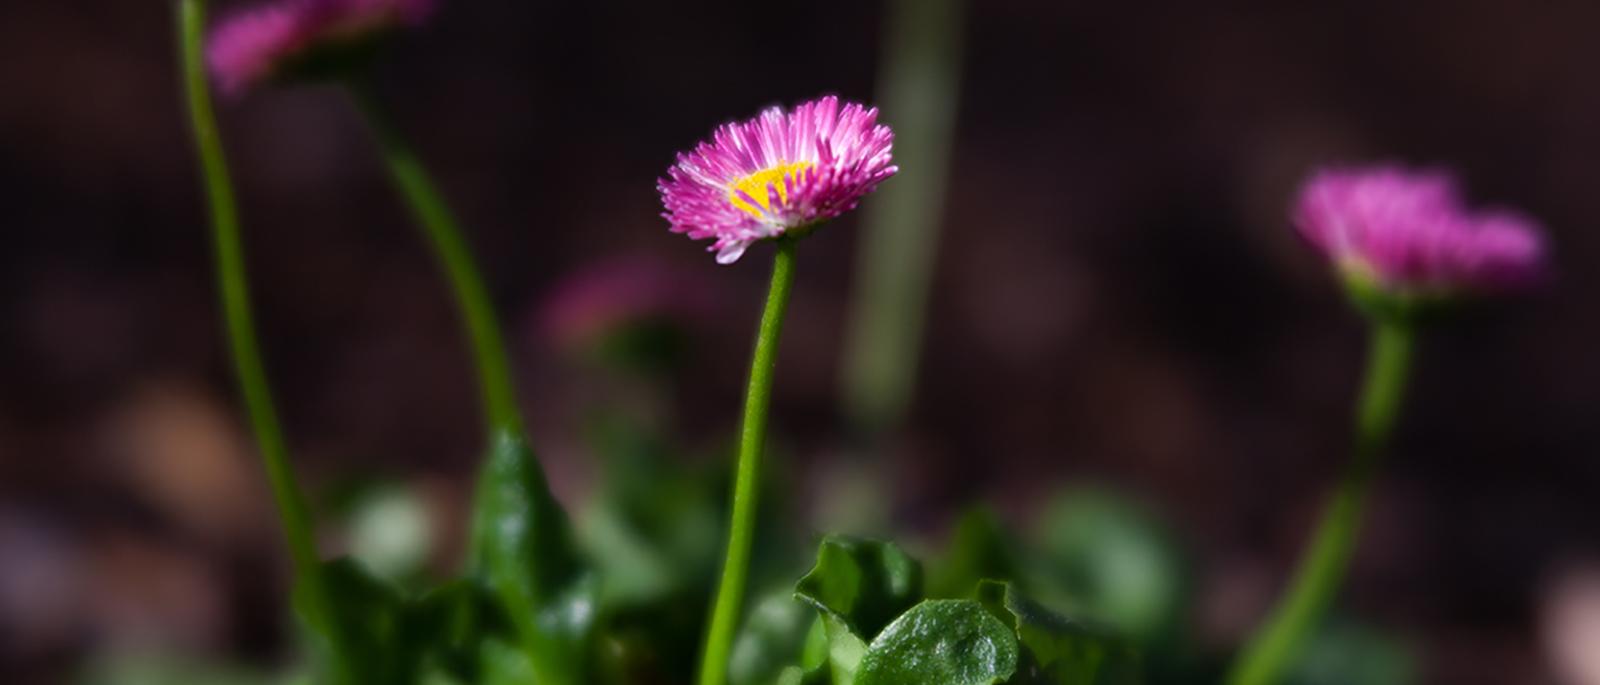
370 615
503 664
163 669
1106 558
523 552
645 347
1348 653
448 624
978 549
845 649
652 530
814 654
945 641
773 637
439 678
863 584
1059 650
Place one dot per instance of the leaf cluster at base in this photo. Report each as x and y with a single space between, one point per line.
875 626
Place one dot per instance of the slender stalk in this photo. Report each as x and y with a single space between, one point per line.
752 439
1302 607
549 658
235 297
920 85
445 238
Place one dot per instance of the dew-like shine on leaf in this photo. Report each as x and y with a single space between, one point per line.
947 641
522 550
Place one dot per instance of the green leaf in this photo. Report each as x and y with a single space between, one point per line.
1106 558
945 641
1348 653
167 669
863 584
979 548
858 586
653 531
522 550
773 637
844 650
369 616
447 625
814 655
502 664
1059 650
433 677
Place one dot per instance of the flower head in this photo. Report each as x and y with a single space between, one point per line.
291 37
777 173
1408 232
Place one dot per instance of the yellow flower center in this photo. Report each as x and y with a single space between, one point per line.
755 185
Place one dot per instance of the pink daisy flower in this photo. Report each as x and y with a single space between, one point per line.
777 174
291 37
1409 231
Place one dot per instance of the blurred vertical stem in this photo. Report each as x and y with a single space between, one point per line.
920 89
235 296
1302 607
752 439
444 236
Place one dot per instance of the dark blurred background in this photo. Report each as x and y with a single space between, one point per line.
1118 300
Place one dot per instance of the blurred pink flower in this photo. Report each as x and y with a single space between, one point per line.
777 173
1409 231
270 41
609 296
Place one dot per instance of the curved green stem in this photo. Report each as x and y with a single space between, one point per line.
1317 580
444 236
235 297
746 484
510 473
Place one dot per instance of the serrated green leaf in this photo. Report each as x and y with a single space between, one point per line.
858 587
945 641
1058 650
522 550
863 584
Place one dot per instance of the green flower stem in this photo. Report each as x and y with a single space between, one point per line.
550 660
444 236
235 295
1302 607
920 85
752 439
